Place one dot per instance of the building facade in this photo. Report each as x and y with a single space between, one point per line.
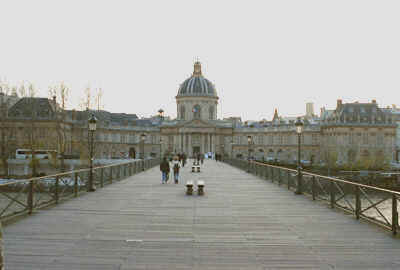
350 132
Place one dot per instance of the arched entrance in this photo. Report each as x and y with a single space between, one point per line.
132 152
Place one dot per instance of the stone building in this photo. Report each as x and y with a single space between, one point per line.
358 132
352 130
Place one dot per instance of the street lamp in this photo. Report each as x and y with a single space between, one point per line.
299 130
143 138
92 128
248 157
232 149
161 148
161 114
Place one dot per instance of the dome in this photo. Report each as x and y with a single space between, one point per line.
197 85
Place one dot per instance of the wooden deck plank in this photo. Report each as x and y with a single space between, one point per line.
241 222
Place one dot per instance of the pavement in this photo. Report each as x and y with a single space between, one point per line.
241 222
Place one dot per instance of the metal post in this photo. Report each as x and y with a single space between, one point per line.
358 202
56 189
30 197
102 177
1 248
395 215
279 177
299 189
111 176
76 184
313 187
332 193
91 187
248 158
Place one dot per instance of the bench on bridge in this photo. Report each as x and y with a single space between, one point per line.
200 187
194 167
189 187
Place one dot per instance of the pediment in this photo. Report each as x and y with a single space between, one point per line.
197 123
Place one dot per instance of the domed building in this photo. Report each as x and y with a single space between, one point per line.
197 97
196 129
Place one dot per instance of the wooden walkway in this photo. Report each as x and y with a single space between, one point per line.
242 222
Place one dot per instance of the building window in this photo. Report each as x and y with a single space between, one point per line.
314 138
365 138
211 112
183 112
196 111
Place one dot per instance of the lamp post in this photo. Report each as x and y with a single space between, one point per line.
161 114
248 156
92 128
161 157
232 149
299 130
143 138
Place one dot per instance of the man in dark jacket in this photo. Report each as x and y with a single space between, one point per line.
164 168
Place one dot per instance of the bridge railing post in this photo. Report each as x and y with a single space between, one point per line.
313 187
76 184
102 177
56 194
279 177
272 174
111 174
332 193
30 197
395 215
358 202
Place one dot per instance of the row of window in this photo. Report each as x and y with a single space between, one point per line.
196 110
277 139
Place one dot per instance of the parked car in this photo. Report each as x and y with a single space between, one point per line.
394 165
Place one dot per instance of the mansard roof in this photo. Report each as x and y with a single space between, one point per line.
359 113
33 108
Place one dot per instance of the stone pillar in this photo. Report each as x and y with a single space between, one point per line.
189 145
1 248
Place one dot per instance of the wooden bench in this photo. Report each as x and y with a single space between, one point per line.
200 187
189 187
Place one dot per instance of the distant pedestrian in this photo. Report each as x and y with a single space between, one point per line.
183 159
164 168
175 167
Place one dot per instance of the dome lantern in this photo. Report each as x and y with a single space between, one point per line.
197 85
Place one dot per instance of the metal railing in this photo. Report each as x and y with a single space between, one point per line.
25 196
377 205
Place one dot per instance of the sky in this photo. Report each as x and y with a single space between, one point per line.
260 55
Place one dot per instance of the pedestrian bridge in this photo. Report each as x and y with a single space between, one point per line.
243 221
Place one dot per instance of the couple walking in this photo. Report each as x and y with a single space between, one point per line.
165 169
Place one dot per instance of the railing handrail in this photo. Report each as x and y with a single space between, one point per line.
69 173
329 178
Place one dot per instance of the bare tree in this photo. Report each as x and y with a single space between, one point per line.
4 131
98 99
61 93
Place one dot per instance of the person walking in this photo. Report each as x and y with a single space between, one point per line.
164 168
183 159
176 166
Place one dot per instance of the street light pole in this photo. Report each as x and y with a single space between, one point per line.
143 138
299 130
92 128
248 156
161 148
